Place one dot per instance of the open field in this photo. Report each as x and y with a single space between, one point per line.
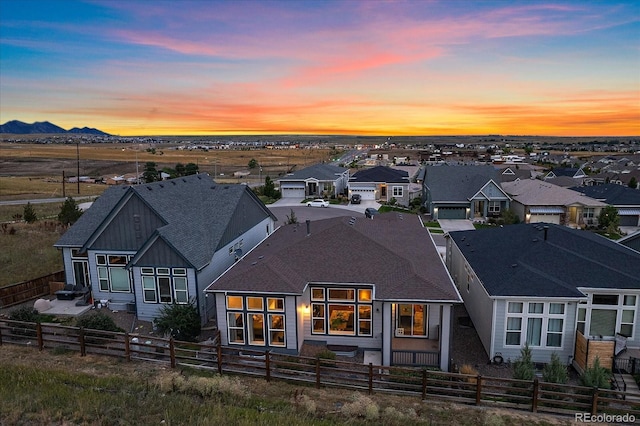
61 387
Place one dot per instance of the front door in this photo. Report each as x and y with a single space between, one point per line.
313 188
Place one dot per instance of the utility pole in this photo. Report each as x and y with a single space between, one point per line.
64 194
78 158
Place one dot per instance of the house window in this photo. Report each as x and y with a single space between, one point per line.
340 313
543 324
608 314
588 213
262 326
164 285
411 320
582 318
494 207
112 275
397 191
80 264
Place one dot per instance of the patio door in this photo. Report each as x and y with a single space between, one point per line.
81 273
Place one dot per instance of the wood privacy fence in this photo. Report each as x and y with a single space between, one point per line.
14 294
536 396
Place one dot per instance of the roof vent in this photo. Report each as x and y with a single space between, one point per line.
260 257
535 240
352 221
161 185
514 265
172 182
254 263
149 188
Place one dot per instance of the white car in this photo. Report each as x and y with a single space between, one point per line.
318 202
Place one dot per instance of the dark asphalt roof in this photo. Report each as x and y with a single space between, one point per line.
516 260
195 209
458 182
380 174
611 193
393 252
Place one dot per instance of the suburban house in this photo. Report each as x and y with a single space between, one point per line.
575 173
540 201
548 286
375 285
315 181
626 200
381 184
145 246
464 192
632 241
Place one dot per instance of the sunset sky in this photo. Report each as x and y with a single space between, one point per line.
142 67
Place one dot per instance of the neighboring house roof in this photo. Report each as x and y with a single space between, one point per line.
632 241
511 174
321 172
394 252
194 211
566 171
565 181
517 260
534 192
611 193
380 174
458 183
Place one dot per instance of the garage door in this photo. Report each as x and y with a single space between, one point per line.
547 218
366 193
289 192
452 213
628 220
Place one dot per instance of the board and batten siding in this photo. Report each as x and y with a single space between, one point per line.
68 266
150 311
538 354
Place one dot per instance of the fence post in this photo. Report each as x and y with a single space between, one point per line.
370 378
318 373
478 389
424 384
219 356
267 364
0 334
536 389
172 353
39 334
594 401
83 349
127 348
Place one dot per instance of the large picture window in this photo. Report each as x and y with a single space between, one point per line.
112 275
535 324
265 320
344 311
605 315
164 285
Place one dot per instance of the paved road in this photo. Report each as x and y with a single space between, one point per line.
42 201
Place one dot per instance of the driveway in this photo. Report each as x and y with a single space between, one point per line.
450 225
288 203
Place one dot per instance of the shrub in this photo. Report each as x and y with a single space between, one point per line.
292 219
29 314
326 354
596 376
361 407
69 212
468 369
555 371
98 321
182 322
523 368
29 214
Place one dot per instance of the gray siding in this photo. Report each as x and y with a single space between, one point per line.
160 254
130 228
150 311
95 288
541 355
68 266
247 215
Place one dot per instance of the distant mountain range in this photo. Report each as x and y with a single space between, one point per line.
19 128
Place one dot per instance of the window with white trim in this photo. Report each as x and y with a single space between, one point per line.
164 285
494 207
608 314
265 320
112 275
412 320
344 311
537 324
397 191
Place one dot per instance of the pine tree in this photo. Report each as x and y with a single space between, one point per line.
70 212
523 368
29 213
555 371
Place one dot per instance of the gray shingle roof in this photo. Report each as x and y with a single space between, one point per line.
458 183
322 172
196 210
396 255
611 193
516 260
380 174
535 192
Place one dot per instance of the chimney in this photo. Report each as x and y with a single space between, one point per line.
308 227
546 229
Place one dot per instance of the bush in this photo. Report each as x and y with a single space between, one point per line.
361 407
555 371
468 369
523 368
69 212
29 214
29 314
596 376
98 322
182 322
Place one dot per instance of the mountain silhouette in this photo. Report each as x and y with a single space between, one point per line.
44 127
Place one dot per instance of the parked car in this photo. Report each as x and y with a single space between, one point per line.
355 199
318 202
370 212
